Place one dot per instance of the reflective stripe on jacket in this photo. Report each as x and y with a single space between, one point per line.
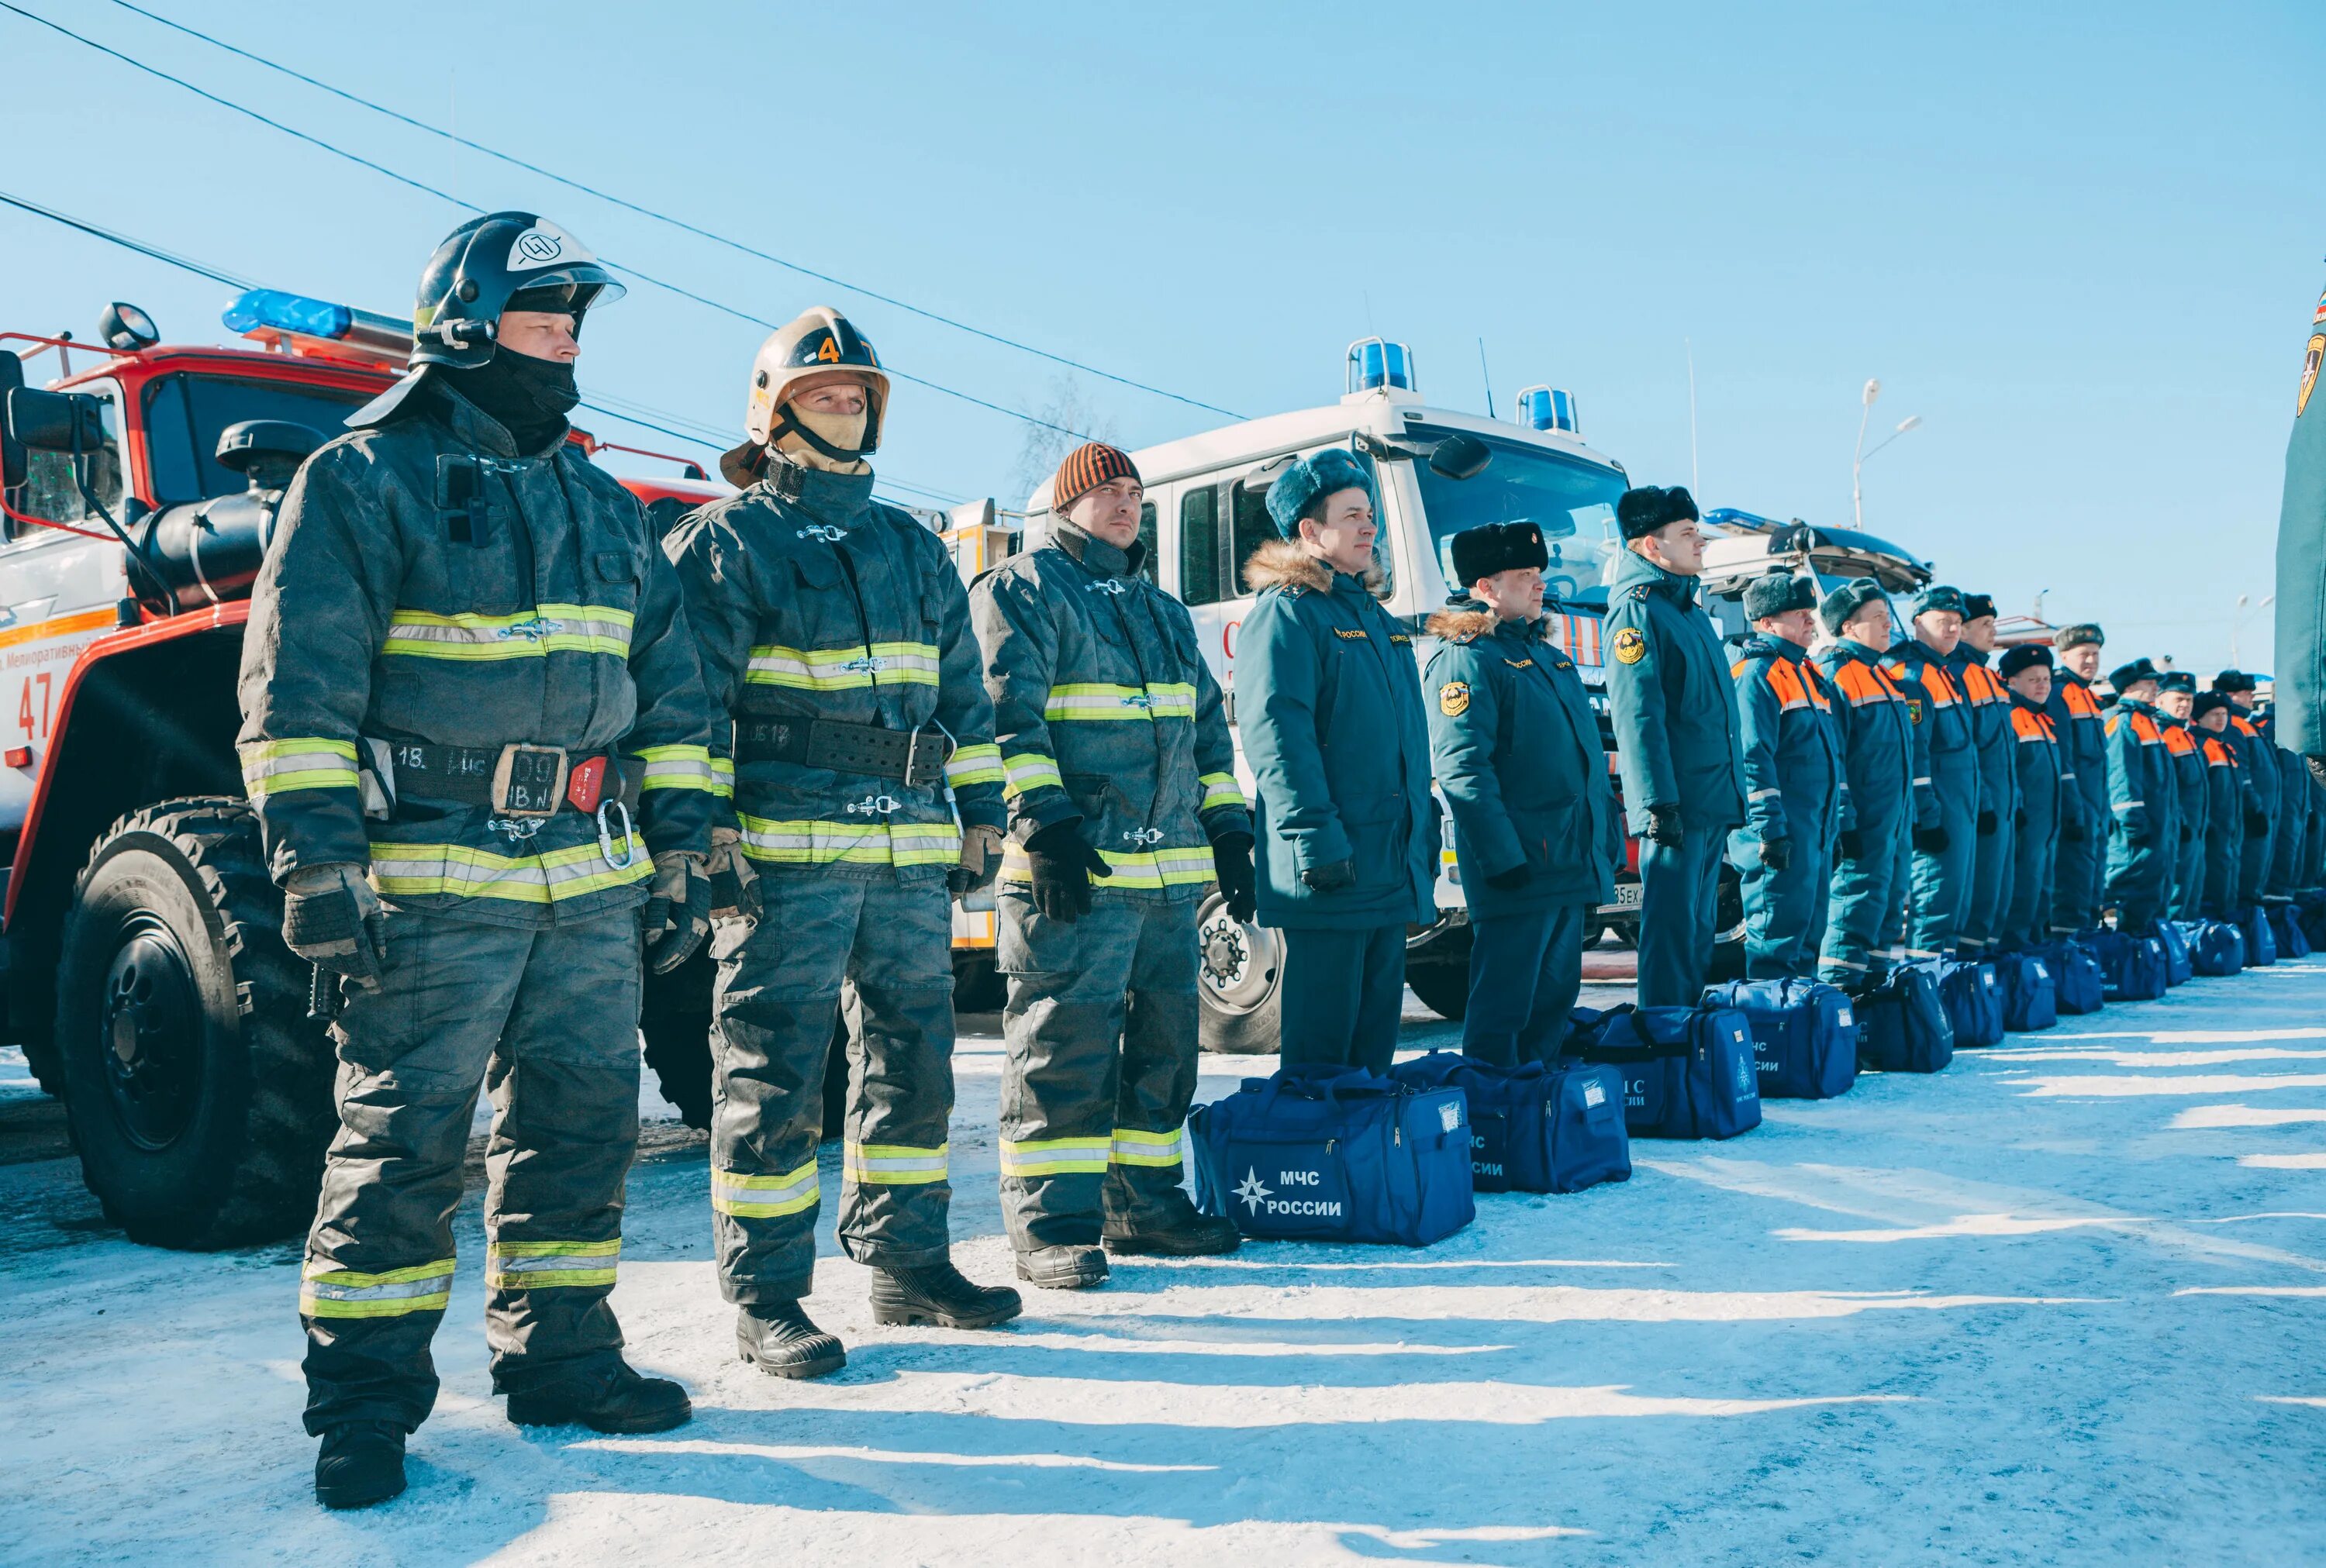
1946 762
1877 741
2076 719
2140 776
811 600
1795 784
426 582
1991 730
1104 709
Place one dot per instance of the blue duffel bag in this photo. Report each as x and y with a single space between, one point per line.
2261 947
2031 996
1534 1128
2178 968
1333 1154
1804 1034
1974 1002
2310 910
2215 947
2285 930
2076 983
2132 968
1902 1024
1688 1072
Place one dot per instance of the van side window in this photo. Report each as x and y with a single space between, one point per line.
1146 565
1253 528
1199 546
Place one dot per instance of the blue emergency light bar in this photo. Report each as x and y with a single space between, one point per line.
1550 408
1375 363
275 316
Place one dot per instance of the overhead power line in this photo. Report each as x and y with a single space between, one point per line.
645 416
659 216
426 189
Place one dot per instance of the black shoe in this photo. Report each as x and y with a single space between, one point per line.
361 1463
1063 1267
615 1400
776 1337
936 1293
1194 1236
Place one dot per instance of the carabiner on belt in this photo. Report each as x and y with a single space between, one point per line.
606 836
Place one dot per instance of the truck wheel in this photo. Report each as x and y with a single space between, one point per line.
1239 984
197 1091
1444 989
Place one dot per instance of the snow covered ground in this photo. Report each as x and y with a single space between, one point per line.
2061 1304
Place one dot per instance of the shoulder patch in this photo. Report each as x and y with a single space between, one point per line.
1641 593
1914 709
1453 698
1631 644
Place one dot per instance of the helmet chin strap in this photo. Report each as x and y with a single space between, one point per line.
837 438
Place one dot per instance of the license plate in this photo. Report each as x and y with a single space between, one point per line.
1627 896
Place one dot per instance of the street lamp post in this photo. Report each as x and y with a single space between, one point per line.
2236 620
1857 458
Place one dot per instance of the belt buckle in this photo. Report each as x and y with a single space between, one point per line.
913 775
529 781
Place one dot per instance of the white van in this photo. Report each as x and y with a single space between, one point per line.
1206 511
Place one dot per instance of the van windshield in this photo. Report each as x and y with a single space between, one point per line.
1573 499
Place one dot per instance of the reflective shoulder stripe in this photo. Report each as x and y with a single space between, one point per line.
2144 726
2110 727
305 761
2079 701
549 1265
974 764
2029 725
1786 682
2245 727
679 767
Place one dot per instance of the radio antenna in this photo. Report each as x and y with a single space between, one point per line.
1489 380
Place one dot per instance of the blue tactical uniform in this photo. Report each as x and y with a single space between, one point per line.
1328 699
1877 752
2292 808
1535 833
1796 790
2227 800
1108 720
1994 856
1946 779
1677 744
2257 768
2081 863
2045 795
2187 760
2142 821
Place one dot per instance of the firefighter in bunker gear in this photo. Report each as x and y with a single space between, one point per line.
1676 737
2143 825
2257 767
466 672
2229 803
1796 786
1329 702
1945 773
1517 753
854 725
1864 915
2080 861
2176 694
1115 741
1995 739
2046 792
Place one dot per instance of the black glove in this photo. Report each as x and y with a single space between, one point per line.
333 919
1931 841
677 915
1330 878
1776 854
1232 864
1511 880
1063 867
2019 817
2257 823
1852 844
1664 827
1985 824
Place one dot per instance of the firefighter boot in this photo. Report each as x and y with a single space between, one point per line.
609 1398
361 1463
1062 1267
936 1293
1181 1233
778 1339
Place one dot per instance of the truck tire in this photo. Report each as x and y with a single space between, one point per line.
676 1024
198 1092
1239 983
1444 987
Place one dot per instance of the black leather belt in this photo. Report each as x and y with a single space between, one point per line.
516 780
913 756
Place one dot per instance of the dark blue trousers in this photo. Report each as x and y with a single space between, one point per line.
1344 994
1680 892
1526 971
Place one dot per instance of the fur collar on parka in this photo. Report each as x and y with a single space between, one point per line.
1283 564
1461 623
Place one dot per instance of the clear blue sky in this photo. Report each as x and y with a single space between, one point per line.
2082 242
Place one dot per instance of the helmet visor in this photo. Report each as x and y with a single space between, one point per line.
566 290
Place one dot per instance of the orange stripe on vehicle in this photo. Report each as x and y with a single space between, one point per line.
104 620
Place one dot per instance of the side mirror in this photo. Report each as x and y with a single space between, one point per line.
55 421
1460 457
12 450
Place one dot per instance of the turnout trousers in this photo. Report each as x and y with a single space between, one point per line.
1100 1035
1680 892
777 1001
1344 994
1941 884
1526 971
544 1019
